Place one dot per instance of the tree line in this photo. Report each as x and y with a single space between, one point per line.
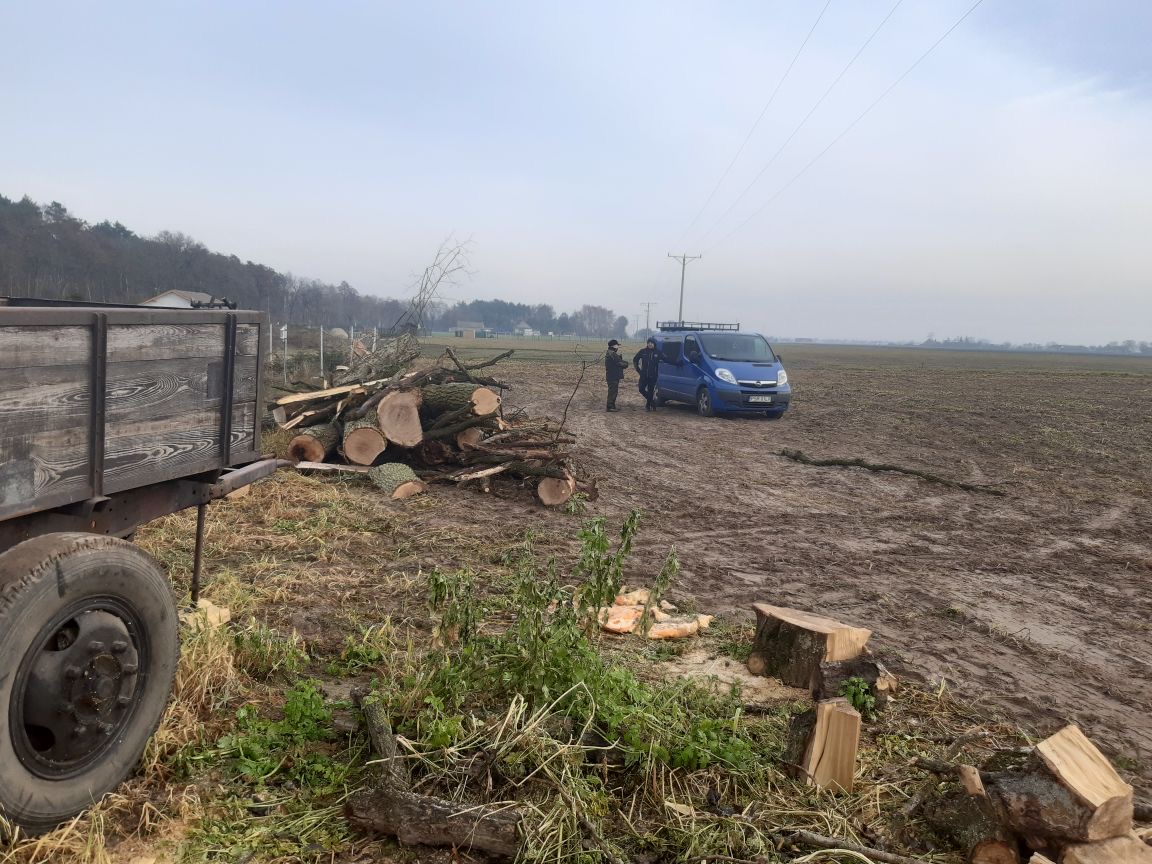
47 253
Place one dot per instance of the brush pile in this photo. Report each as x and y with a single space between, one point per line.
405 428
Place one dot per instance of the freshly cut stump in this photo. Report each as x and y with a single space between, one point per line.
398 417
444 398
314 443
363 442
823 744
791 644
397 480
553 491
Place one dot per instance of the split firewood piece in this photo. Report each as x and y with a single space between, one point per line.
398 416
791 644
1071 792
677 628
363 442
331 468
479 475
619 619
1128 849
822 745
470 438
553 491
316 395
397 480
442 399
314 443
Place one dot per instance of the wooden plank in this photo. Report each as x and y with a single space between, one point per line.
332 467
294 398
128 342
138 454
43 346
40 398
47 469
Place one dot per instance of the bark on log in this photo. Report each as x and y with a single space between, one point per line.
397 480
434 452
831 676
363 442
793 643
442 398
390 807
314 443
398 417
973 824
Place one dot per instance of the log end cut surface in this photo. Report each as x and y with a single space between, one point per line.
398 417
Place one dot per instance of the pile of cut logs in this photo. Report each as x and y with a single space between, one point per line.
1060 801
438 424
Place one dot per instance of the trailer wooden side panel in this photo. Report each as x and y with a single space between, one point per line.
170 387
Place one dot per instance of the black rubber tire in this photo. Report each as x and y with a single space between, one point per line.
704 404
773 415
74 574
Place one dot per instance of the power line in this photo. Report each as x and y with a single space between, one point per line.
755 125
852 125
683 259
648 313
803 121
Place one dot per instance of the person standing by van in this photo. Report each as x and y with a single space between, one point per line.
614 366
647 363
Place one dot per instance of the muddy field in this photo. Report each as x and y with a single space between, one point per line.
1036 603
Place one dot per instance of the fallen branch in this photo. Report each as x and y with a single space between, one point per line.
799 456
807 838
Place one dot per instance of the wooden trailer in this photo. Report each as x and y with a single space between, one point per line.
109 417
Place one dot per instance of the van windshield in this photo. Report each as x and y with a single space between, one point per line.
737 347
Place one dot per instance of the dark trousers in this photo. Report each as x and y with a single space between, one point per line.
648 390
613 390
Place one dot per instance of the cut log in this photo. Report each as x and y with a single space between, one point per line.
470 438
553 491
398 417
834 674
390 807
444 398
434 452
972 823
397 480
314 443
823 744
363 442
1128 849
1039 858
1077 764
793 644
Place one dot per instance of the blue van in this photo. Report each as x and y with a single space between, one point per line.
720 370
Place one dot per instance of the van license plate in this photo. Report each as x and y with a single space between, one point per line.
766 399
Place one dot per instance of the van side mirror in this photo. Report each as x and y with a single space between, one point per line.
694 356
779 357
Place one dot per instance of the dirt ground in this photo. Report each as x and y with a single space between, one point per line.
1036 603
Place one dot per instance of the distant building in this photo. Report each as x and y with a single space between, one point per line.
188 300
524 329
468 329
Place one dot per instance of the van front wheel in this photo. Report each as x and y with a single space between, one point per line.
704 403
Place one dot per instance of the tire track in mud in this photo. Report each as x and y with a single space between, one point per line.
1038 604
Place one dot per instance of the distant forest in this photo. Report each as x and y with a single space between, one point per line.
46 252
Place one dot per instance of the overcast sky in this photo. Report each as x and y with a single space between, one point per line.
1002 190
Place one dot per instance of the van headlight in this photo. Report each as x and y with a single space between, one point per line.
782 378
725 375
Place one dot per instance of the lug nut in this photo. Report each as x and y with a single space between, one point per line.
129 668
72 671
95 646
119 646
79 730
124 701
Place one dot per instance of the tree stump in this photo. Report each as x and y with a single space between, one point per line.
314 443
791 644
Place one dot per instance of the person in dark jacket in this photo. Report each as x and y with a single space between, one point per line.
614 366
647 363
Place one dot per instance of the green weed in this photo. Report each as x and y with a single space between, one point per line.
859 694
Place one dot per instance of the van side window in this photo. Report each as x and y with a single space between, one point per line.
690 347
670 351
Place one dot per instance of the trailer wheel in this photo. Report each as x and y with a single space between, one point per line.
89 642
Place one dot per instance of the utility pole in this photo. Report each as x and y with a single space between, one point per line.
648 311
683 259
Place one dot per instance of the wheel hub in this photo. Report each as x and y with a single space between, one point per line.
77 692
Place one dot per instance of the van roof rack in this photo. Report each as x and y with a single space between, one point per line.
675 326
